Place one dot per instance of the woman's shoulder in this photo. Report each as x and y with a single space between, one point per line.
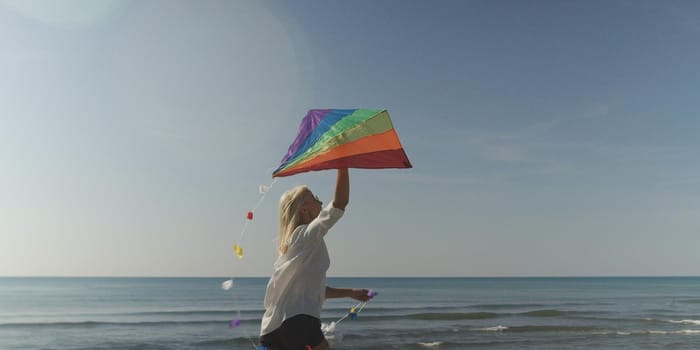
298 234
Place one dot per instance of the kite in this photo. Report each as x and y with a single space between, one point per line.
344 138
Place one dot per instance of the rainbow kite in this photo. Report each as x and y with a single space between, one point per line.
344 138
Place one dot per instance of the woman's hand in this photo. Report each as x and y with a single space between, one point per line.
359 294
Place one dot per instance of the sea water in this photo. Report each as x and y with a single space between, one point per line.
408 313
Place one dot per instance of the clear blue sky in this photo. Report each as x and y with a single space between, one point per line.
547 137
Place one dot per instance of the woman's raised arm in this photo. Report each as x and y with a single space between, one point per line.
342 189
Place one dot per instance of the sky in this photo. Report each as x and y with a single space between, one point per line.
548 138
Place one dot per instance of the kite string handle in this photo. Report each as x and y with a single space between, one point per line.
357 308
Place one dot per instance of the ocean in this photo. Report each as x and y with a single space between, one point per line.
408 313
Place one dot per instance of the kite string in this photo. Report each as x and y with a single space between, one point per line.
363 303
354 312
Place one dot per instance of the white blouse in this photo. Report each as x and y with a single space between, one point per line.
298 283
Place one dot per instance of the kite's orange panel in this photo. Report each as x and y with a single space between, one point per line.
395 158
387 140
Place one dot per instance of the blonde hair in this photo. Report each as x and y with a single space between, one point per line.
290 218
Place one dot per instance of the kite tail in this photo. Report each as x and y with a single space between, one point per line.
228 284
263 189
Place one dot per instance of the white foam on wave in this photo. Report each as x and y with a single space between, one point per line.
688 322
498 328
633 332
431 344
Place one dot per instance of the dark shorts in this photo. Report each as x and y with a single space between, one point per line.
296 333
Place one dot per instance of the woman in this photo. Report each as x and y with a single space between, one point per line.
297 288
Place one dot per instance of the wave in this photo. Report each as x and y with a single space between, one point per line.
455 316
219 317
650 332
543 313
527 329
367 318
443 316
532 305
184 312
379 313
645 320
176 313
124 346
91 324
235 343
379 309
583 329
429 316
431 344
451 316
506 306
687 322
649 320
224 343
